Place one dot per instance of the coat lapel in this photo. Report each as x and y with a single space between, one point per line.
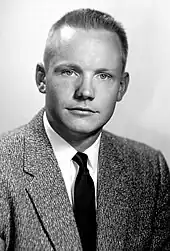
46 189
115 196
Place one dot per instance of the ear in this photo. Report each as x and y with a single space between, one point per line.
41 78
123 86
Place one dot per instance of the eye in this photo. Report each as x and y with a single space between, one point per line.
104 76
67 72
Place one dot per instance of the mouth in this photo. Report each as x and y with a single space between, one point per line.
81 110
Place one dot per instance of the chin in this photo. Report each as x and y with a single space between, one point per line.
85 130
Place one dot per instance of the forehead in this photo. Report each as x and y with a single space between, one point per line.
87 47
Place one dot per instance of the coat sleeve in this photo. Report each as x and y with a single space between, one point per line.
161 233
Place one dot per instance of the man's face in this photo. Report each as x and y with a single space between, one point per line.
84 80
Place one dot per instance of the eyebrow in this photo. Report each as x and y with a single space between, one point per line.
78 68
103 70
74 66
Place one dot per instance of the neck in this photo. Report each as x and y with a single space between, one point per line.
79 141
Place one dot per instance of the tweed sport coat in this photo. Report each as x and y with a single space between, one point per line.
133 195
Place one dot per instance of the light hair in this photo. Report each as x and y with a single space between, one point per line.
87 19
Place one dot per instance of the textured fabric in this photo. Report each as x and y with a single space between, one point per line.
84 204
133 195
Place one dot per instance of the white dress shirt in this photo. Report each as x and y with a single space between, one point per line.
64 153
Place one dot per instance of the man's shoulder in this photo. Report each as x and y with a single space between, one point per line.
16 136
132 154
11 151
11 145
128 146
13 136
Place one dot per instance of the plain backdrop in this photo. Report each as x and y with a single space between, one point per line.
144 113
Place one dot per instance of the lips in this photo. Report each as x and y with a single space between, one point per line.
80 109
84 109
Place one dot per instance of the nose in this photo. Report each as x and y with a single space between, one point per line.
85 89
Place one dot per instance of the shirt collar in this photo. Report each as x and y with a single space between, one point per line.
93 152
64 150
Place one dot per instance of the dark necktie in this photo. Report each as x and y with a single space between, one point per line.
84 204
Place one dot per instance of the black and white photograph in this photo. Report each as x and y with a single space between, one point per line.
85 125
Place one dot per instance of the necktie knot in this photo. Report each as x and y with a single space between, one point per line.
81 159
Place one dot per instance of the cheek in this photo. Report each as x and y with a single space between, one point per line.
107 101
60 89
107 95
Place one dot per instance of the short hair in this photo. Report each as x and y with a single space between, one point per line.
87 19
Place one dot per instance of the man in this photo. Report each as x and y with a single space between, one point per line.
66 184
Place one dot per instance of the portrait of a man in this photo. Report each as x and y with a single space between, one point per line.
65 182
